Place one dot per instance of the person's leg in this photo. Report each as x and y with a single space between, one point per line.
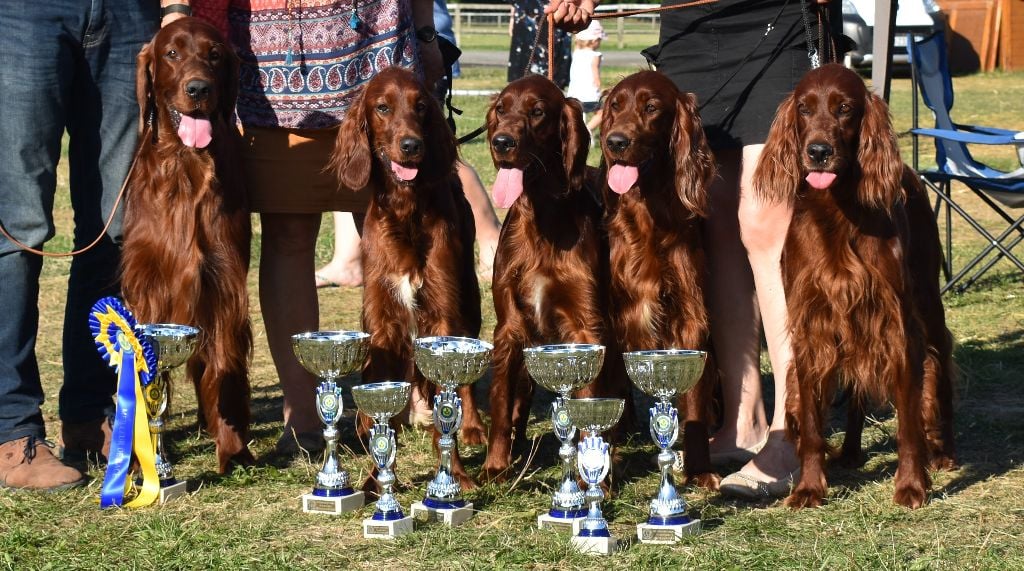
763 228
289 304
32 95
102 128
345 267
487 225
735 323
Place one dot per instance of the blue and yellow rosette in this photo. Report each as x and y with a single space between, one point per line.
113 329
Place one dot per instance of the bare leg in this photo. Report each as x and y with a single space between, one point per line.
487 225
345 267
289 304
763 228
735 322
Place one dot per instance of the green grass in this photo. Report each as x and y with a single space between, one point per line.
251 518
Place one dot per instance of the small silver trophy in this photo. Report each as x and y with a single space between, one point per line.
173 345
664 374
563 369
448 362
594 416
381 401
331 355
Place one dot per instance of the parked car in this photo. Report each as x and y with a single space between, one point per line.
918 17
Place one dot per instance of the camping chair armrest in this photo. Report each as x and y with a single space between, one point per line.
990 131
970 138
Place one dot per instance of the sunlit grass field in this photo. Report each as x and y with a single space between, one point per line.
251 519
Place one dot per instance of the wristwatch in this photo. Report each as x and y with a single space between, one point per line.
175 9
426 34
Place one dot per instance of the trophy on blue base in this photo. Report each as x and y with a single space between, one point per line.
449 362
330 355
665 374
563 369
594 416
173 345
381 401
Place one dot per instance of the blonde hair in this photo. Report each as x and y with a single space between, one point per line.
582 44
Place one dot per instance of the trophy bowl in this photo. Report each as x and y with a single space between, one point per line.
382 400
564 368
664 373
452 360
173 343
331 354
595 415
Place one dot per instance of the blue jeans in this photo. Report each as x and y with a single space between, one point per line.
64 64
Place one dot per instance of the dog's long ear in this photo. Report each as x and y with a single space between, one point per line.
694 164
144 84
229 83
777 176
878 156
575 143
351 160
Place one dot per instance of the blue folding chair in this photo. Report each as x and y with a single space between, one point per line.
998 189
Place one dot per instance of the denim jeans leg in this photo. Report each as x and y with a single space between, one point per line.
34 87
102 126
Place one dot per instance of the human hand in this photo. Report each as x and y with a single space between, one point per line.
571 15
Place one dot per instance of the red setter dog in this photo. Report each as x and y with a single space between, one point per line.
186 225
551 265
860 268
417 242
658 169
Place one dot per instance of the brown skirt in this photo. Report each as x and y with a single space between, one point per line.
284 170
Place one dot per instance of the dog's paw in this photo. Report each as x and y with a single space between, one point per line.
942 462
473 435
495 472
804 497
466 482
706 480
911 495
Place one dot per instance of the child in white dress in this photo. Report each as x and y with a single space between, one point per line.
585 71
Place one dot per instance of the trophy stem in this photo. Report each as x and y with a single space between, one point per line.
164 469
384 446
444 491
595 525
567 500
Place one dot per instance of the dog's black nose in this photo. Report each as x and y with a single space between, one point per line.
198 89
617 142
411 146
503 143
820 152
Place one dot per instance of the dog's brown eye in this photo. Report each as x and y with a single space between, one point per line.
421 107
214 56
803 110
845 109
537 112
382 108
499 109
171 54
650 108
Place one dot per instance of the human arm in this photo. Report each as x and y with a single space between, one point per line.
430 53
171 10
595 68
571 15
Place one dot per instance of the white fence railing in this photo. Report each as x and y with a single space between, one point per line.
495 18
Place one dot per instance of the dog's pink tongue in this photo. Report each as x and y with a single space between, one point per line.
195 132
622 178
508 186
404 173
820 180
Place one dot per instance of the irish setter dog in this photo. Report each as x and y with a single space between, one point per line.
417 241
551 264
186 225
860 269
658 169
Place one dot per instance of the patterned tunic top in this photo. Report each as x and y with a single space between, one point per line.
304 61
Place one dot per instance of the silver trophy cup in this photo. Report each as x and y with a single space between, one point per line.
381 401
564 369
331 355
173 345
664 374
594 416
448 362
